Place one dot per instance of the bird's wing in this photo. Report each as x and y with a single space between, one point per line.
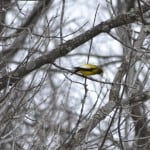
83 69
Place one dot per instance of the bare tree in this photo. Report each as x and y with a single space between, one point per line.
44 106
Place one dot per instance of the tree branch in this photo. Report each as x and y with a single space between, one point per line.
68 46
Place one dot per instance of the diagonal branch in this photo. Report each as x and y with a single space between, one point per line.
68 46
101 114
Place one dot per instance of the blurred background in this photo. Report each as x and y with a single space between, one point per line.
48 106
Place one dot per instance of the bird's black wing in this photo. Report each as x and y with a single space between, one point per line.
76 69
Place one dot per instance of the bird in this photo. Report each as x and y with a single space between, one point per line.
89 69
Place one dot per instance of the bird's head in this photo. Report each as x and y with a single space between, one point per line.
101 70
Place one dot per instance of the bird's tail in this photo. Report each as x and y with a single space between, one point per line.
75 70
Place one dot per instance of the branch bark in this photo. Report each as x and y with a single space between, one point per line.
68 46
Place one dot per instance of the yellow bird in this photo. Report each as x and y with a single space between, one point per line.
89 69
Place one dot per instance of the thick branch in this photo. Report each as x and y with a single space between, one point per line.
101 114
68 46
